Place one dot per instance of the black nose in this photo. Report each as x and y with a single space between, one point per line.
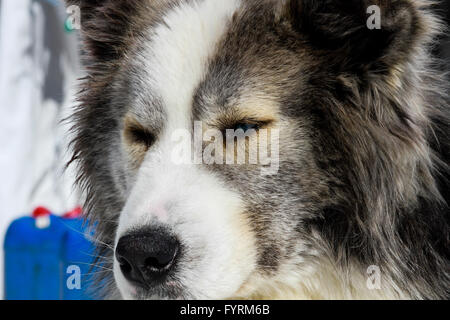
147 256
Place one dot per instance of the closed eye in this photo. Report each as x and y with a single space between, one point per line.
246 126
138 135
249 124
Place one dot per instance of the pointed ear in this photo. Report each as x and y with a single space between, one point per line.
359 33
104 26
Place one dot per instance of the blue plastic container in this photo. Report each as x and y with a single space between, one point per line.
78 257
47 259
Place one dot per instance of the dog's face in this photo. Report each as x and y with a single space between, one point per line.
205 229
209 69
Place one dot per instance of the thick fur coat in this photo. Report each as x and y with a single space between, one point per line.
363 117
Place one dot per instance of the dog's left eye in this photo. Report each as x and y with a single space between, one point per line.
246 126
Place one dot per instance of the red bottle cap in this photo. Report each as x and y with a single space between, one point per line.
75 213
40 212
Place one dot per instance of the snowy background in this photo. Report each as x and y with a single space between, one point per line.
38 71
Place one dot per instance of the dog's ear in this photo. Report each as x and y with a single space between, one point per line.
358 33
104 26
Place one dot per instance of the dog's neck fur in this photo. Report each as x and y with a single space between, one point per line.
323 282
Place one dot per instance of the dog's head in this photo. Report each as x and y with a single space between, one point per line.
299 81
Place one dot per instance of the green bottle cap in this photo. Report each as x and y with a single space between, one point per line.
68 27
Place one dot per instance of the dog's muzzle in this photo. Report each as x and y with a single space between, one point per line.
147 256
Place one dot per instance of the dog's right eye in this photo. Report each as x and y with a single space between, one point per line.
143 136
137 135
